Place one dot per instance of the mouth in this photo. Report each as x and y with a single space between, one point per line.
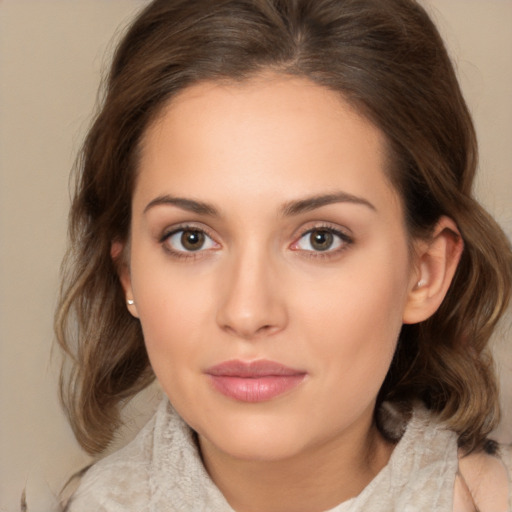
255 381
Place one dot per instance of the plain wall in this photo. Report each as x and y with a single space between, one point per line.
52 53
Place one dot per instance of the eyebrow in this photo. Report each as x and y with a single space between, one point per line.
185 204
312 203
290 208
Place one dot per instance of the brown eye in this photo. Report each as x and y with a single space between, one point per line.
321 240
187 240
192 240
328 240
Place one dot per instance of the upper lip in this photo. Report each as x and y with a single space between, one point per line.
252 369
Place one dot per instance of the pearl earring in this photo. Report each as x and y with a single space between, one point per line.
421 283
130 302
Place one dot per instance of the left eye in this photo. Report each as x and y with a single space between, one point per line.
189 240
320 240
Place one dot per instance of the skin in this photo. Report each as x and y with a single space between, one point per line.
259 289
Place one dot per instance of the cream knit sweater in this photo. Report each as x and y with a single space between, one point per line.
161 471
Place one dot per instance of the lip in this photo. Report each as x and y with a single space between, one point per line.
254 381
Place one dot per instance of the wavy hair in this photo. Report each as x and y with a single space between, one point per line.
387 59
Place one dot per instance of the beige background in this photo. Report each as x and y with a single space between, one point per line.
51 55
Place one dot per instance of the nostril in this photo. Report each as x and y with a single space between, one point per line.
264 328
248 306
249 332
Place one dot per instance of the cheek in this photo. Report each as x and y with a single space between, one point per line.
356 316
173 329
366 294
174 309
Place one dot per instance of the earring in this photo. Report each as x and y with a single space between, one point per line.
130 302
421 283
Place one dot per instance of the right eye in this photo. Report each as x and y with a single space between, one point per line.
188 240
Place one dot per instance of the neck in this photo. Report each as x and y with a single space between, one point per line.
314 480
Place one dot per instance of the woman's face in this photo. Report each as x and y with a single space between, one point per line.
269 264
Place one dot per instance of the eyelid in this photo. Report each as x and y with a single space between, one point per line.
173 230
185 226
346 240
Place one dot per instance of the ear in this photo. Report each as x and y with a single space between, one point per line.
123 271
436 261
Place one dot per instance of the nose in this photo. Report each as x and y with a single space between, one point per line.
252 300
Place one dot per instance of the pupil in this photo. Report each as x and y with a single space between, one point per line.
192 240
321 240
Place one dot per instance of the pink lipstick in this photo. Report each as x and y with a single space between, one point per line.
256 381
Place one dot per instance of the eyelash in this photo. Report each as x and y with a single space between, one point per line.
184 255
344 239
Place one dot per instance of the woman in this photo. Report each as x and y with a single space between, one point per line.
274 218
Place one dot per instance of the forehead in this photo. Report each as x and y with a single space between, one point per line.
268 136
271 102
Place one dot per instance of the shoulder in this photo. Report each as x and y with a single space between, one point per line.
476 482
119 481
484 482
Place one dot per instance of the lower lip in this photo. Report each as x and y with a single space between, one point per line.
256 389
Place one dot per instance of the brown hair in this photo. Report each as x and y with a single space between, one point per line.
387 59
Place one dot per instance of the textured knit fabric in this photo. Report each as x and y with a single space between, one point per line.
161 471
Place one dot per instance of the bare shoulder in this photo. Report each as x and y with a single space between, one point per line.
483 482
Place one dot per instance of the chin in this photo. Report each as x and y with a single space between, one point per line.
260 448
256 437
